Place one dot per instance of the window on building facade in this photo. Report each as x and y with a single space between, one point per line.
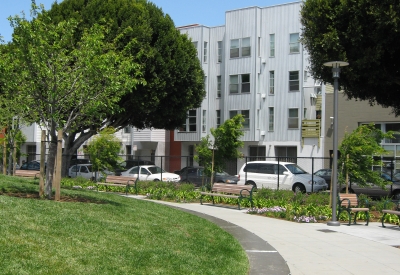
127 130
190 123
219 51
218 86
234 51
246 49
245 114
204 123
305 76
257 153
205 52
271 119
271 45
288 154
239 83
218 118
240 47
294 83
271 82
395 127
293 121
294 43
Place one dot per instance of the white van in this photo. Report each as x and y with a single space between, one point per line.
289 175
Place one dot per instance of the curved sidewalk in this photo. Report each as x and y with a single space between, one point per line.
285 247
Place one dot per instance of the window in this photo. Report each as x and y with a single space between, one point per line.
204 123
218 86
205 52
393 127
218 118
246 46
293 122
219 51
271 119
240 47
239 83
257 153
305 76
294 81
127 130
234 51
271 45
271 82
294 43
245 114
190 124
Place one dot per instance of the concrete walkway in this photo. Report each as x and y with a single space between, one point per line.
282 247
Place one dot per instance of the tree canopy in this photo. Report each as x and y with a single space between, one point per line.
364 33
64 87
174 78
167 75
357 151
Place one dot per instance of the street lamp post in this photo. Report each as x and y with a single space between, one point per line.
336 73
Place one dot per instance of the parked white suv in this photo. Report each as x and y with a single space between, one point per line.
290 176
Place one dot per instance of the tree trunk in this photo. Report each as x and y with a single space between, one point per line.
50 165
71 145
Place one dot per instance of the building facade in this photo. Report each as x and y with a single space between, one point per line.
255 65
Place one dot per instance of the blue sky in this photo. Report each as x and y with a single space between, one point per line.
183 12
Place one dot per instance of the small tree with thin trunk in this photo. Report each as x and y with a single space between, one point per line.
212 153
104 150
361 146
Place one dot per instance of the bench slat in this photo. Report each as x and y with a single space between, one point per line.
121 181
234 191
351 203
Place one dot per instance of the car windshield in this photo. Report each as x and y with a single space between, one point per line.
295 169
155 170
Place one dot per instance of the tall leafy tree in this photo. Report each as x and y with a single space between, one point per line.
64 85
357 151
174 78
364 33
213 152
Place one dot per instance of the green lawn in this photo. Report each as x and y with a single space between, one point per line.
110 234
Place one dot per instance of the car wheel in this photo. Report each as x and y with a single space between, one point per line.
299 188
396 195
156 180
252 183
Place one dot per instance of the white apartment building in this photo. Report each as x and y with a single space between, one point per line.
255 65
135 143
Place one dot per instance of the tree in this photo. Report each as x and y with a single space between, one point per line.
364 33
357 152
174 77
104 150
213 153
63 85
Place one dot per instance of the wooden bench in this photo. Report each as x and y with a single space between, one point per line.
351 203
386 211
27 173
234 191
121 181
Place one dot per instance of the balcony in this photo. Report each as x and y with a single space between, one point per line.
310 128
